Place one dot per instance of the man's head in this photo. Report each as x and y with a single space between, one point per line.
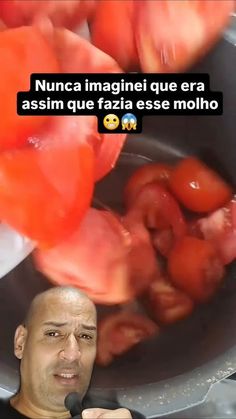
57 347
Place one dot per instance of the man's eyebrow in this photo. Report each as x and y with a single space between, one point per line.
58 324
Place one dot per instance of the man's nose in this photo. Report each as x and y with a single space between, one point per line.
71 349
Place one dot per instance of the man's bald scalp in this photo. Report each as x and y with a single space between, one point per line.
54 291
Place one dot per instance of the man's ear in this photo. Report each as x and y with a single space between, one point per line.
19 341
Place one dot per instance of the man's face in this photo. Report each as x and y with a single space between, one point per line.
59 350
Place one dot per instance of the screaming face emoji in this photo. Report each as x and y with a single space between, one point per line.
111 121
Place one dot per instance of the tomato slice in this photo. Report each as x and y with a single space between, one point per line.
198 187
89 59
61 13
165 303
158 209
119 332
163 241
43 194
148 173
220 228
112 30
163 28
16 47
195 267
93 258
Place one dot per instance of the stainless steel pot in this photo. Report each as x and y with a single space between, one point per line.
177 369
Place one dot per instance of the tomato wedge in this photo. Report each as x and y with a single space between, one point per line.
148 173
165 303
119 332
163 28
198 187
112 30
16 47
195 267
158 209
93 258
43 194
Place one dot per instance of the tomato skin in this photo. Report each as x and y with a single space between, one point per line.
195 267
16 47
42 191
119 332
165 303
197 187
148 173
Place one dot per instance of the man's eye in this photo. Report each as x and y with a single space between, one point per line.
52 334
85 336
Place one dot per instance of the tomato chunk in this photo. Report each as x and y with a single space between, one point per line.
16 47
198 187
195 267
119 332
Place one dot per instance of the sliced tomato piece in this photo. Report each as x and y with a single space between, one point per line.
112 30
43 193
93 258
163 241
62 13
198 187
148 173
158 209
165 303
220 228
163 28
195 267
89 59
16 47
119 332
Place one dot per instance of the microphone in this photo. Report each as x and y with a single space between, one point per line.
74 405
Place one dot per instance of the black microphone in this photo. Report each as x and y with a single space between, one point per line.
74 405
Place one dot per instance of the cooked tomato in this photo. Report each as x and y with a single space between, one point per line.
119 332
16 53
62 13
43 194
89 59
220 228
165 303
148 173
158 209
163 28
198 187
93 259
195 267
112 31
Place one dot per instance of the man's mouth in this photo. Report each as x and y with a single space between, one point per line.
65 378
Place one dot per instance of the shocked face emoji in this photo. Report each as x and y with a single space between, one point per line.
111 121
129 122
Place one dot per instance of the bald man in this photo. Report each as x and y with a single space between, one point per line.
56 347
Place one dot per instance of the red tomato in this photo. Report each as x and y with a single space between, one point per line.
112 30
195 267
119 332
158 209
62 13
198 187
147 173
163 28
163 241
16 53
93 258
43 194
220 228
89 59
165 303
